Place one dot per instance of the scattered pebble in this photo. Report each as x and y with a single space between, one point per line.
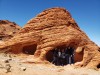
23 68
1 66
6 61
8 68
10 59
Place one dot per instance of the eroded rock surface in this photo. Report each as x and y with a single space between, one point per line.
50 29
8 29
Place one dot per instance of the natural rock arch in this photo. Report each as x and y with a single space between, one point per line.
77 56
52 28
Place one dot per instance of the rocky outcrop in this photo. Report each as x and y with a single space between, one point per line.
8 29
51 29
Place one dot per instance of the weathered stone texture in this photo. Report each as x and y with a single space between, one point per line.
8 29
53 28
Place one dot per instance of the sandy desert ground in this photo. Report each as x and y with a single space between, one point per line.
11 64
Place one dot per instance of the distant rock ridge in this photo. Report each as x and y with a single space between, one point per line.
54 28
8 29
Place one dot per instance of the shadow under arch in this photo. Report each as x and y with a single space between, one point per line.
29 49
98 66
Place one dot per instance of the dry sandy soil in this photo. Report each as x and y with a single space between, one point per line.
11 64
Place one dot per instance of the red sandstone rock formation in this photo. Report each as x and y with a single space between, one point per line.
8 29
51 29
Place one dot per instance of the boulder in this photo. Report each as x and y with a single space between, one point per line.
54 28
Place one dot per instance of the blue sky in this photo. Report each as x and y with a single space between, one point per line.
85 12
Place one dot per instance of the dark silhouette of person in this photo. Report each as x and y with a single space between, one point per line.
59 62
67 52
72 54
63 57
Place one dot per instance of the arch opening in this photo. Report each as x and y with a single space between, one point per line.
63 55
29 49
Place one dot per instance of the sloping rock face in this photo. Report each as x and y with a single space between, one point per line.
51 29
8 29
